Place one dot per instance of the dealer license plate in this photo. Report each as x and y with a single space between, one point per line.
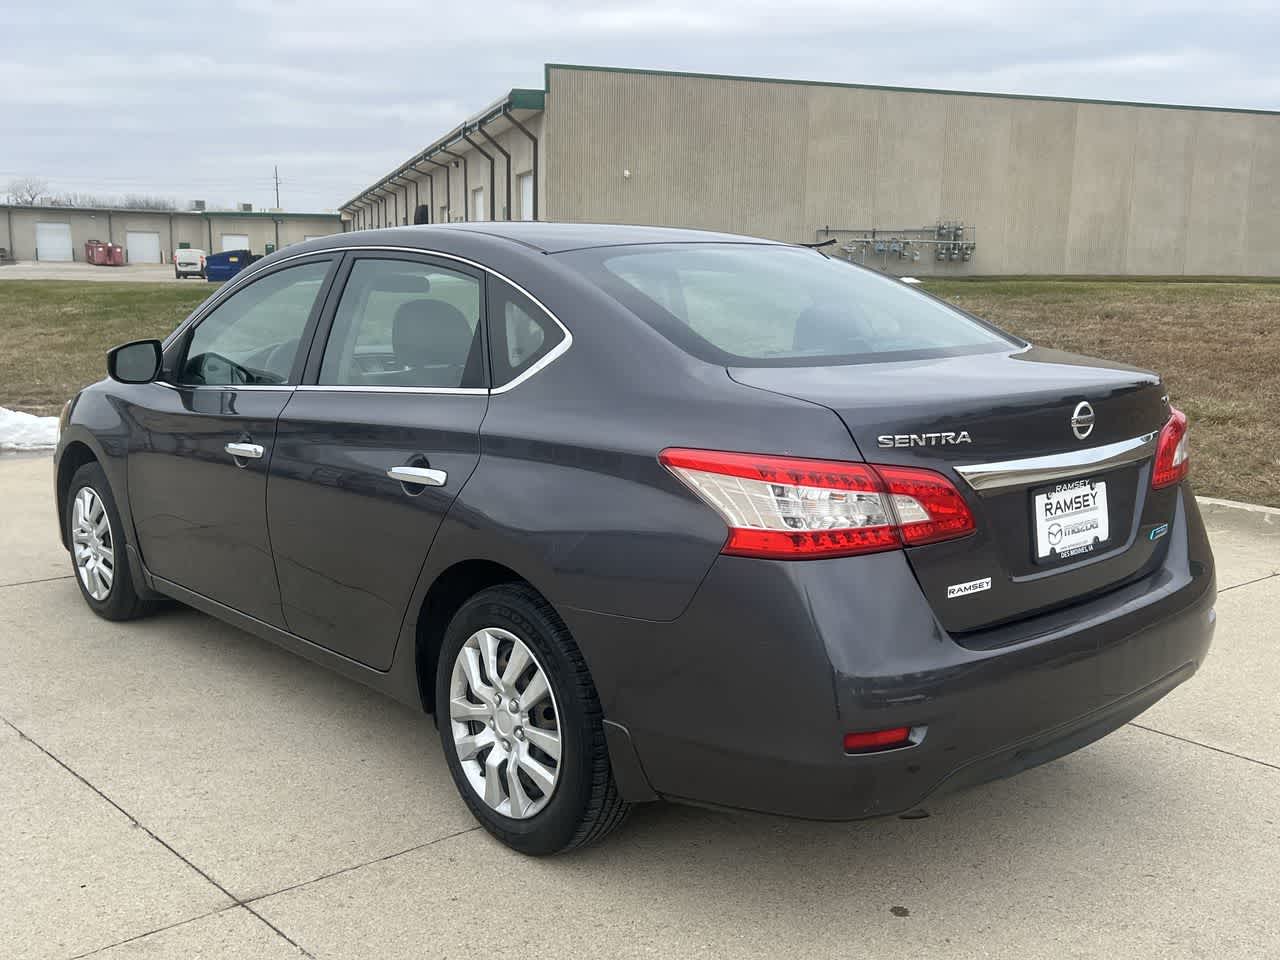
1071 520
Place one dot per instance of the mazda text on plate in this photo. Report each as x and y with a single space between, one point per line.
641 513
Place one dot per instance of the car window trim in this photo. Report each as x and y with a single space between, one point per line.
278 387
342 253
320 338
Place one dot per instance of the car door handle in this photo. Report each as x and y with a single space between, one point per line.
244 451
420 476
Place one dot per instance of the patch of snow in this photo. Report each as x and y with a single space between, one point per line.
909 280
25 431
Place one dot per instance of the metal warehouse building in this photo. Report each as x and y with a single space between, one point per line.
926 182
148 236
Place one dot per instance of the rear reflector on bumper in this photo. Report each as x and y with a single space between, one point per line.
784 508
870 740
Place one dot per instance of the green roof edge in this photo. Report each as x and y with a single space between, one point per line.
871 86
522 99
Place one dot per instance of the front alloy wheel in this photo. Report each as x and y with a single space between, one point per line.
505 725
92 544
96 535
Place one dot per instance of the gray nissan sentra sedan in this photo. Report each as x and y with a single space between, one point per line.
642 513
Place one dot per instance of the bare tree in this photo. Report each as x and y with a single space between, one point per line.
139 201
132 201
27 190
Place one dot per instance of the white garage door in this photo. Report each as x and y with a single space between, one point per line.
142 246
235 241
53 241
314 236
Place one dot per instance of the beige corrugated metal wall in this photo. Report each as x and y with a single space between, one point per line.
1053 187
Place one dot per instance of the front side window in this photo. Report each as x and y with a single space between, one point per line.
756 304
404 323
252 337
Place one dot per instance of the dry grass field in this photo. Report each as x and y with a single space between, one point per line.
1217 345
54 334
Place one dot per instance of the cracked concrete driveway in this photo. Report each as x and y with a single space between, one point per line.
177 788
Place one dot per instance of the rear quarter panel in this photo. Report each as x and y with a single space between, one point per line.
569 491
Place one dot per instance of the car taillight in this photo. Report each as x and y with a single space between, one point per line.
784 508
1172 454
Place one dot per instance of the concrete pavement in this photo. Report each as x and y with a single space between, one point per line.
132 273
177 788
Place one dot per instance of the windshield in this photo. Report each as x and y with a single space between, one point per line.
756 304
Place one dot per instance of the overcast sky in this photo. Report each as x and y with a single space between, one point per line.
201 99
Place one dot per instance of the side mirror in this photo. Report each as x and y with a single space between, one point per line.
137 362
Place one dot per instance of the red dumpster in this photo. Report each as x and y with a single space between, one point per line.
97 253
115 255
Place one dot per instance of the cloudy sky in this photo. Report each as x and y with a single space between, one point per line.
200 100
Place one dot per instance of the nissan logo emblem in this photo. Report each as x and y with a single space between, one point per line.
1082 420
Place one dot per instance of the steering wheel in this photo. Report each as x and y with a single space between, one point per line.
281 351
236 374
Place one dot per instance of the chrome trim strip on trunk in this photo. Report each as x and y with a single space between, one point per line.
985 477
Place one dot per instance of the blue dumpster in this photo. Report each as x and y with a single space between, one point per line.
225 265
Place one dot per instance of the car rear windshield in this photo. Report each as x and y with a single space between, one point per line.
767 305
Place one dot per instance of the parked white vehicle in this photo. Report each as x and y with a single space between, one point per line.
188 262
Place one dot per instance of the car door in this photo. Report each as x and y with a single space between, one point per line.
373 448
203 436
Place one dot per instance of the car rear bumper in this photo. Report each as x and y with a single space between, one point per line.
744 700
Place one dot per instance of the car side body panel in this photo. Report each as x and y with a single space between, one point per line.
348 540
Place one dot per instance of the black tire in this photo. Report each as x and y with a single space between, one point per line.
585 805
125 600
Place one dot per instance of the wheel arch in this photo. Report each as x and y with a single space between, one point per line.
453 587
74 456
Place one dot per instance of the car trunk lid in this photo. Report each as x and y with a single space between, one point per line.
1062 511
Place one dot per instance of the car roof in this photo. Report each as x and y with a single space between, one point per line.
548 237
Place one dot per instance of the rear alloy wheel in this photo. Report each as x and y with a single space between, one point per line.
521 726
505 725
95 534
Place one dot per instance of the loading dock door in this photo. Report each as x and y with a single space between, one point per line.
53 241
142 246
235 241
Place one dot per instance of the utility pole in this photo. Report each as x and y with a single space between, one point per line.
277 171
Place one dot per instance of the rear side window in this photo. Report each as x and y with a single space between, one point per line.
520 333
754 304
404 323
